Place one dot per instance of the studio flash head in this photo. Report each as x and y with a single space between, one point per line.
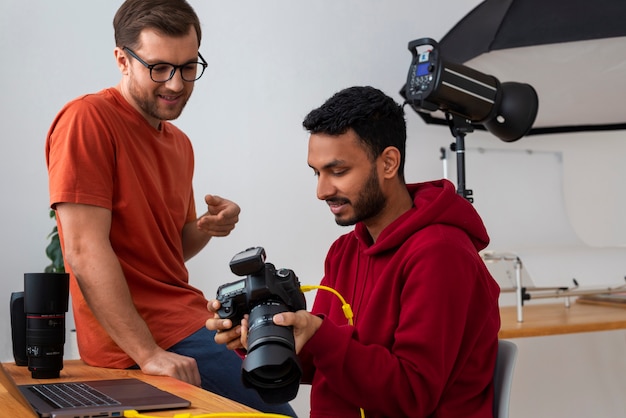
507 110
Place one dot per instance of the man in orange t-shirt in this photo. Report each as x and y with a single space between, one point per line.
120 179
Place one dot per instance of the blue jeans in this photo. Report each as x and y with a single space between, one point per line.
220 371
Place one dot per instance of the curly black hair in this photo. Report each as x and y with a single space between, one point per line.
375 117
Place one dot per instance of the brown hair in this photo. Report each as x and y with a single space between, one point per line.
169 17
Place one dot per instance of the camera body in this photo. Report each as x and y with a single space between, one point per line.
262 282
271 365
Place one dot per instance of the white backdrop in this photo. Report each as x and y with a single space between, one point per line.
270 63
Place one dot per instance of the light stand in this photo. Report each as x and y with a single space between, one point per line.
459 127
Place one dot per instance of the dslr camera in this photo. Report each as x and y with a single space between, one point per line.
271 366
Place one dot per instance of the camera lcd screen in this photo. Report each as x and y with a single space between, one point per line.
422 69
232 287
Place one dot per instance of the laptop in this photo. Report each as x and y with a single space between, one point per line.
90 399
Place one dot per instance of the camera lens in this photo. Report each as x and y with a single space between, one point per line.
271 366
45 304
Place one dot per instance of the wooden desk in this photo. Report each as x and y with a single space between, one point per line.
550 319
202 402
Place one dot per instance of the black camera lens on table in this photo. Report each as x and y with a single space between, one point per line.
45 304
271 366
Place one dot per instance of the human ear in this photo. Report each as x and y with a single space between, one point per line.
121 60
390 158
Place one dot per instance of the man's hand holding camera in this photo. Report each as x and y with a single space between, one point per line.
226 334
304 326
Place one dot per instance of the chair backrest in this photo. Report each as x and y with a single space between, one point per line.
503 378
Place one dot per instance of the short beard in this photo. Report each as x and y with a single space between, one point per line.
369 203
149 105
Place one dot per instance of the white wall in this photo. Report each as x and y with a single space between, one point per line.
270 63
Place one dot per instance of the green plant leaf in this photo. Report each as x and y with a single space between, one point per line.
53 250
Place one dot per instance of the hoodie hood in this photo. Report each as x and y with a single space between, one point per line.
434 202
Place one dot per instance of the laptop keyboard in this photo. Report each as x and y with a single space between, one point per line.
64 395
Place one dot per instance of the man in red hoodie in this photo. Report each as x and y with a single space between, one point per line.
426 317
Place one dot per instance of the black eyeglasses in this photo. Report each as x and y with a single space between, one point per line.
164 71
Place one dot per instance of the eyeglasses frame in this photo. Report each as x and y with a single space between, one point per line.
203 63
